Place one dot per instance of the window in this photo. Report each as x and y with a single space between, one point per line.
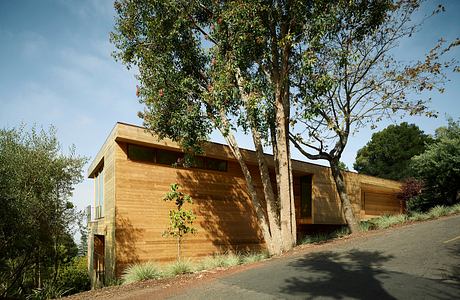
136 152
216 164
305 197
174 158
198 162
166 157
99 194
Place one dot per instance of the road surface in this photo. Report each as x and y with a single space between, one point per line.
419 261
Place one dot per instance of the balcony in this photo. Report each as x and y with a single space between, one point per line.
93 213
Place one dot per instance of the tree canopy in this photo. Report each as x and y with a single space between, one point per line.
36 183
306 72
389 152
439 167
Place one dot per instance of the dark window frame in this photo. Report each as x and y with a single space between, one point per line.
206 161
306 197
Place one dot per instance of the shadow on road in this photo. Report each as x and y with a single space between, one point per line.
340 275
452 273
359 275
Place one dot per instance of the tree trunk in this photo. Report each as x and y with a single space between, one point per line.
272 207
178 248
346 204
284 176
262 221
293 215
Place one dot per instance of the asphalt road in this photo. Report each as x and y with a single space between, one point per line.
420 261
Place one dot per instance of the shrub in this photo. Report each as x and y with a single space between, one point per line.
341 232
438 211
438 167
254 257
455 209
140 272
221 261
74 277
315 238
366 226
416 216
183 266
388 221
50 290
419 203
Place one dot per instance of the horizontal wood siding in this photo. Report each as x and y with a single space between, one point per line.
136 216
225 217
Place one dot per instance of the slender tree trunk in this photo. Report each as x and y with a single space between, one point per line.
178 248
293 215
341 189
272 212
275 160
284 176
262 221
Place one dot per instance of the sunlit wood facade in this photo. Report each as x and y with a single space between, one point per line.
133 171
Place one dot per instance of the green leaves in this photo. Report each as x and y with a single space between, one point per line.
36 183
439 166
180 220
389 151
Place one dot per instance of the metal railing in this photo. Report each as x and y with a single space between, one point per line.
98 213
94 213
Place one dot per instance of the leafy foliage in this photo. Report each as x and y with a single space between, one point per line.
74 277
323 67
347 78
179 267
439 168
389 151
151 270
411 190
36 182
141 272
180 220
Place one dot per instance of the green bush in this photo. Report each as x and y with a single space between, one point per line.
74 277
220 261
366 226
438 211
140 272
183 266
49 290
416 216
455 209
315 238
253 257
388 221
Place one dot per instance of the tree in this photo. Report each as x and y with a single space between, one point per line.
36 182
180 220
202 66
439 168
348 78
389 151
259 66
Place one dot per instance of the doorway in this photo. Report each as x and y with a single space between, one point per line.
99 258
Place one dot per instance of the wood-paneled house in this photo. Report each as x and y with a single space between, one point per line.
133 171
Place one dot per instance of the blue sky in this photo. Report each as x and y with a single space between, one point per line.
56 68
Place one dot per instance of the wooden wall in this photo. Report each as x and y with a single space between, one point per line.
106 225
136 216
225 217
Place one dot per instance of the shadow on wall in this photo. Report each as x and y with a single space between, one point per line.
223 210
358 274
126 238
